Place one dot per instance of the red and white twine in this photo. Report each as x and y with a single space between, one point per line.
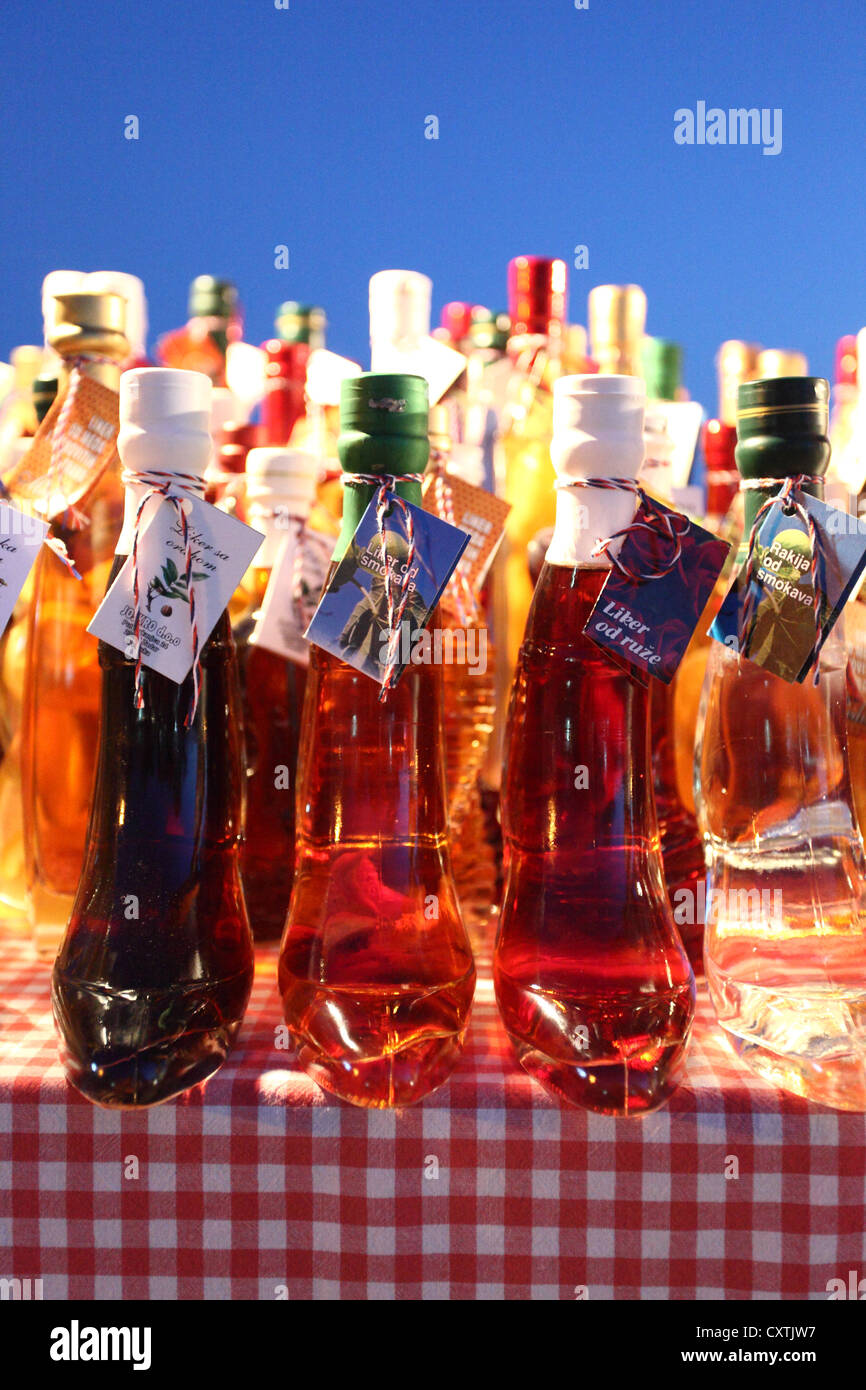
660 520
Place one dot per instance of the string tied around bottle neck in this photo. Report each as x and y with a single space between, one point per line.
386 495
789 495
458 587
179 489
660 521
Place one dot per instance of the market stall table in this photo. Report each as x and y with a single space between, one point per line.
259 1186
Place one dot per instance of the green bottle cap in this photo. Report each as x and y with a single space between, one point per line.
782 425
662 365
44 390
383 423
301 323
211 298
489 330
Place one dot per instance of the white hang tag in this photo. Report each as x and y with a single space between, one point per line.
222 549
439 364
326 371
283 620
21 537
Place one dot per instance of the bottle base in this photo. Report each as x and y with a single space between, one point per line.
377 1046
810 1044
389 1082
622 1089
161 1042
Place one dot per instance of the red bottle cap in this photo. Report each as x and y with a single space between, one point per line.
285 361
723 480
846 360
537 289
457 320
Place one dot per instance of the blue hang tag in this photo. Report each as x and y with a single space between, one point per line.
774 613
351 621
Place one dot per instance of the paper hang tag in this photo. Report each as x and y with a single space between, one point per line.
222 549
283 619
351 620
782 636
648 624
21 536
439 364
479 514
88 448
326 372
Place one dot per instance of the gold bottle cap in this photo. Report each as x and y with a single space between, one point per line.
88 324
617 319
736 362
773 362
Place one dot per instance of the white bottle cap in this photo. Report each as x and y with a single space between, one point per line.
400 305
285 477
597 433
165 420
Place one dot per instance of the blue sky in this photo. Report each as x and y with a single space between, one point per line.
305 127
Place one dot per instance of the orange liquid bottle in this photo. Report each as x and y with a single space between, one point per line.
156 966
376 972
593 984
281 487
60 706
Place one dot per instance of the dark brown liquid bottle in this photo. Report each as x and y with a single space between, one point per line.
591 978
376 972
155 970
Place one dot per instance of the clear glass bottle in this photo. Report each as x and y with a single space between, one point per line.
376 972
786 932
156 966
60 708
593 984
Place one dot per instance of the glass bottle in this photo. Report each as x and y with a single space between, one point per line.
156 966
376 973
468 724
593 984
281 486
14 903
786 935
214 321
60 706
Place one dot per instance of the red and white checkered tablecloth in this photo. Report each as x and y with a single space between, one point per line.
258 1186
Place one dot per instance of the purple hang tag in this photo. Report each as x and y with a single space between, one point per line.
647 622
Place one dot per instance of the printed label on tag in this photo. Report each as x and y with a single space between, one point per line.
648 623
21 536
782 625
222 549
285 615
88 448
478 513
351 620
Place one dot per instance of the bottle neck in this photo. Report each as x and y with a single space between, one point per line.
357 498
106 373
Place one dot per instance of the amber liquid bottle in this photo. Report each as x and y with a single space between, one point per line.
155 970
60 707
376 972
281 486
593 984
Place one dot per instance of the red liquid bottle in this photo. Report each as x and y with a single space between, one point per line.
376 972
281 487
155 970
592 981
